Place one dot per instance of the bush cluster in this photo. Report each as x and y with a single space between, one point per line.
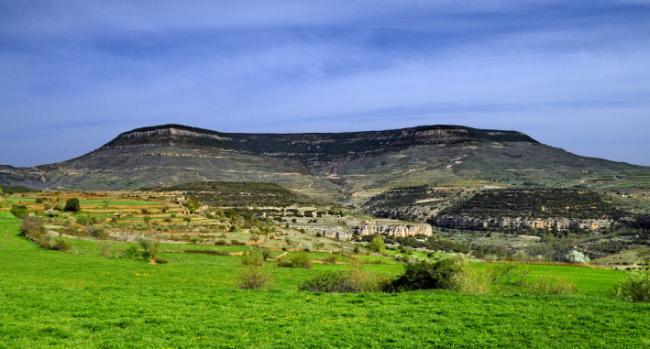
72 205
422 275
635 287
32 228
295 261
20 211
146 249
252 259
252 278
355 280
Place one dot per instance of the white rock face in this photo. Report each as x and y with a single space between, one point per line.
398 230
518 223
336 234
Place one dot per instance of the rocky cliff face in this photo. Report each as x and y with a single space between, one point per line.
399 230
522 223
372 228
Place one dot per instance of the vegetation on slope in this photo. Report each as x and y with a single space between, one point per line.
536 202
238 194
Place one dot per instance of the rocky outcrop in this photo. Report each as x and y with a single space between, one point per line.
398 230
521 223
408 213
336 234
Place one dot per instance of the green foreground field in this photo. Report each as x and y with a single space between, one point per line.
81 300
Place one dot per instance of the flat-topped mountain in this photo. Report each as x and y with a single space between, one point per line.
348 166
313 145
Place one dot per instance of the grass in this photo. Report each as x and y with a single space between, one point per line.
78 299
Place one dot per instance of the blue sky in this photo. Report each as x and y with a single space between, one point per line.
573 74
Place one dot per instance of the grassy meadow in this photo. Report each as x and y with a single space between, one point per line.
79 299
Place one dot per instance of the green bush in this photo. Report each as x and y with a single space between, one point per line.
252 278
60 245
145 250
20 211
377 244
72 205
32 228
149 249
333 281
85 219
295 261
132 252
355 280
253 259
474 281
96 232
635 287
421 275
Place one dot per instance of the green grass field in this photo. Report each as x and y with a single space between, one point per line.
78 299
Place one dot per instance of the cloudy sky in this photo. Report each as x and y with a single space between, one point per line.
573 74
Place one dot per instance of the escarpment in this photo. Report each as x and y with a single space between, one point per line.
556 224
531 209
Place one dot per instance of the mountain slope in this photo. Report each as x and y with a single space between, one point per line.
351 165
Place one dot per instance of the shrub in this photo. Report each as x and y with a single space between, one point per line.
105 250
421 275
60 245
149 249
377 244
32 228
253 259
635 287
20 211
85 219
295 261
355 280
96 232
473 281
332 281
252 278
132 252
72 205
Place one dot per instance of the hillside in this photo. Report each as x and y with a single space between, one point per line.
237 194
351 166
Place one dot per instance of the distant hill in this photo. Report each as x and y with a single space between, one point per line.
350 166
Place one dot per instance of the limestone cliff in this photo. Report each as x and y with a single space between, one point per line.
522 223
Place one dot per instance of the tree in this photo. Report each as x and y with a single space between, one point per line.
72 205
377 244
